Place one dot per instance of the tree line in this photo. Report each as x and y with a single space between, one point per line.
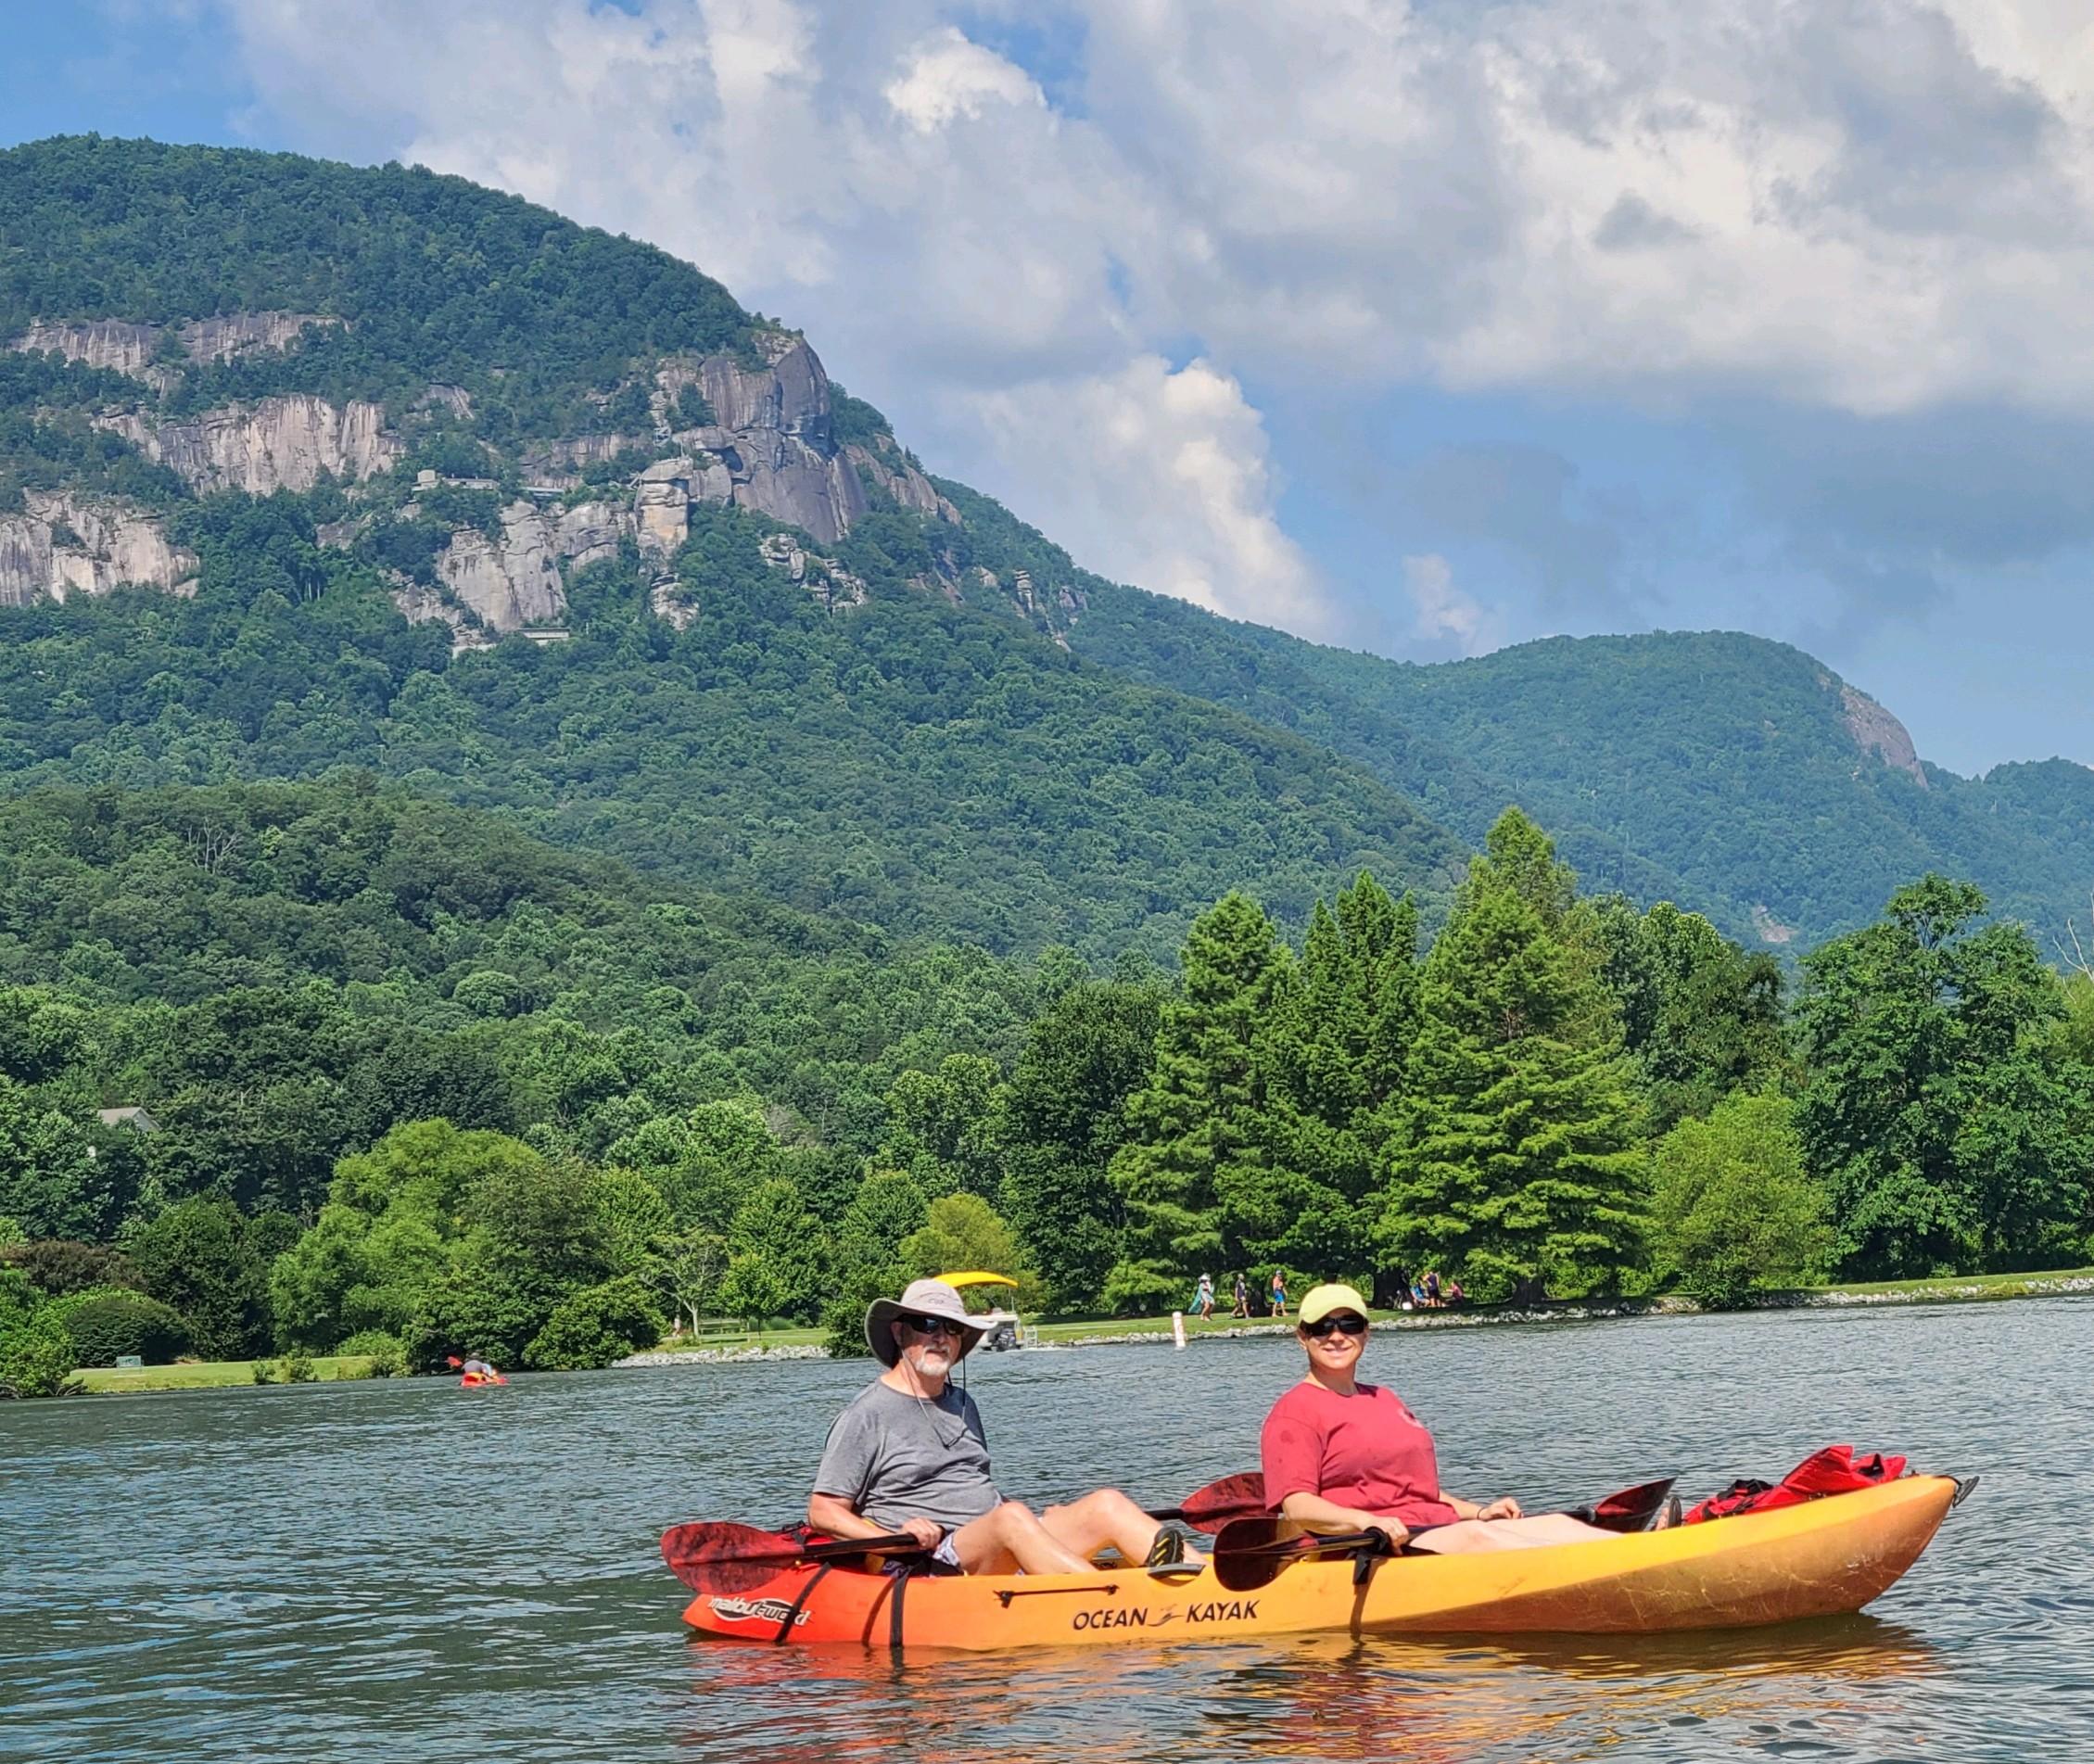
1559 1095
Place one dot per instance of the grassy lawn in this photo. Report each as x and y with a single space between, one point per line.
1969 1286
206 1374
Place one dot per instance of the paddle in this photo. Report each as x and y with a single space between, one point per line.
1208 1509
1249 1553
736 1558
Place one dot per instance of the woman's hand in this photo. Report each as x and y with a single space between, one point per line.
1504 1507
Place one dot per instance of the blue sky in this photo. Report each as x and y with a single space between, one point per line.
1420 329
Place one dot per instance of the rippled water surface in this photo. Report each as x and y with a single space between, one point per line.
409 1572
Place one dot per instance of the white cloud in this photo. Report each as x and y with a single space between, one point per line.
1443 614
1868 206
949 77
1156 477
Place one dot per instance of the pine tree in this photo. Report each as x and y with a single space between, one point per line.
1516 1165
1337 1051
1197 1165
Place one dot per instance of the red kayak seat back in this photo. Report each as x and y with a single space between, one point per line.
1833 1469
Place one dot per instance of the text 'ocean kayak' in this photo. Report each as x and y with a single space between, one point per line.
1818 1559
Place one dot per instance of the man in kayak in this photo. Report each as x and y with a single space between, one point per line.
909 1454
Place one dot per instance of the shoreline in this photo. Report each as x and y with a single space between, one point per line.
1150 1331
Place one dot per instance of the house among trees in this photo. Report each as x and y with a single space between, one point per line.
137 1120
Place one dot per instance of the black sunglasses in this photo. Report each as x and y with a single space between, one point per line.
1323 1325
934 1325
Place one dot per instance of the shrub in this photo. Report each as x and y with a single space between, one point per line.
58 1265
375 1342
597 1325
297 1368
36 1358
107 1322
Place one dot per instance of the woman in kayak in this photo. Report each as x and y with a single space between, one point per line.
1342 1454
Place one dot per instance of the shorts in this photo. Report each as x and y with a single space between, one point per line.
944 1555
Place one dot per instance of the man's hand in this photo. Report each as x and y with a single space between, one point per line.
925 1532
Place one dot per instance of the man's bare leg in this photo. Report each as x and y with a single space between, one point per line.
1010 1539
1102 1518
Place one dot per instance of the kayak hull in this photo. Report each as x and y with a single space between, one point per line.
1821 1558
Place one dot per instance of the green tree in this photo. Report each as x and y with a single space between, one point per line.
943 1126
866 1254
1937 1112
49 1178
1700 1017
706 1162
1731 1207
1065 1118
775 1249
1517 1167
1195 1169
963 1233
596 1326
197 1258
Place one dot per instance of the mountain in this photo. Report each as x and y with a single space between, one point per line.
305 465
662 590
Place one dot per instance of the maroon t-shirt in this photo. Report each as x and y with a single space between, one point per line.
1366 1450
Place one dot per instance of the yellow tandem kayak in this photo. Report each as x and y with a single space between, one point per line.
1818 1559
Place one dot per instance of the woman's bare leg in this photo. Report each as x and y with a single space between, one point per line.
1474 1537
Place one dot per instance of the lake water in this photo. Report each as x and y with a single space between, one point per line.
407 1572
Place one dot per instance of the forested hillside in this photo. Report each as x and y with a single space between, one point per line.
525 812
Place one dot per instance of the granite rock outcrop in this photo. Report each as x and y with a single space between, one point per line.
274 444
63 544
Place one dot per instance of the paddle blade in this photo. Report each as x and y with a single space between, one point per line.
1633 1509
726 1558
1234 1497
1250 1552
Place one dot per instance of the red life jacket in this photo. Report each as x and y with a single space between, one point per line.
1833 1470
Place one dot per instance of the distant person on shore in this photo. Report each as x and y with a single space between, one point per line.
1344 1455
1455 1293
1203 1297
1242 1296
909 1454
1279 1293
1432 1287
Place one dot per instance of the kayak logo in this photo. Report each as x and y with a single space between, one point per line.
756 1611
1224 1611
1139 1617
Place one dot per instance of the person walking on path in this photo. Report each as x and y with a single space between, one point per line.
1242 1296
1203 1297
1280 1293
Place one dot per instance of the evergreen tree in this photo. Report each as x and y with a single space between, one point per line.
1196 1177
1065 1118
1516 1167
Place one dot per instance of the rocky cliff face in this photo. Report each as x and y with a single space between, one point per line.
63 544
276 443
1876 732
125 348
768 445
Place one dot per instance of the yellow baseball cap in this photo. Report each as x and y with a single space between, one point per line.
1320 1301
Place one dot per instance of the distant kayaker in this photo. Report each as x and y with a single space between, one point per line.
1342 1453
909 1454
477 1367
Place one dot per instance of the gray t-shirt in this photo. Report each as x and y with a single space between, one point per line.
893 1456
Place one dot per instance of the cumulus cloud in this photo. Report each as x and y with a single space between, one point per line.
1158 477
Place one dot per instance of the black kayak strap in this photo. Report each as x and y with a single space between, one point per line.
799 1600
898 1577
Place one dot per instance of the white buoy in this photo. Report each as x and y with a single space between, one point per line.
1178 1327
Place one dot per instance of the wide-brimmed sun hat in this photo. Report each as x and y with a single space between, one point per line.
923 1298
1318 1303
